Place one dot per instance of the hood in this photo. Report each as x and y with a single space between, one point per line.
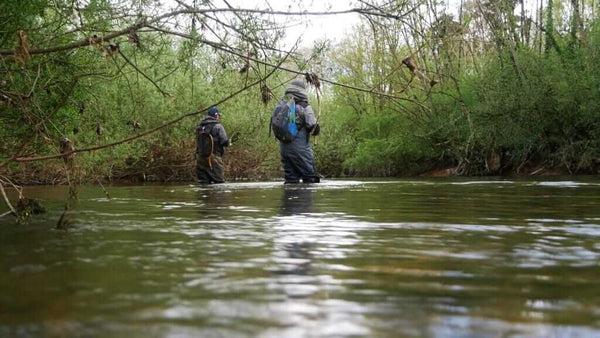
298 90
208 120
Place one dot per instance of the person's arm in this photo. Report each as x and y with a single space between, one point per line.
312 125
222 136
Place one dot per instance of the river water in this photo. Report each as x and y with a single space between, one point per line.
343 258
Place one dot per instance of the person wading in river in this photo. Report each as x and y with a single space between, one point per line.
293 121
211 140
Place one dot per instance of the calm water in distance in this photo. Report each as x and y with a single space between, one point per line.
343 258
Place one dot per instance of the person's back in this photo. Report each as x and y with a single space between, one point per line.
211 142
297 155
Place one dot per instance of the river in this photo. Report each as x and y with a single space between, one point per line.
376 258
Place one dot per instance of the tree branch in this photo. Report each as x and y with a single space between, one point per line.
155 129
144 22
224 49
62 102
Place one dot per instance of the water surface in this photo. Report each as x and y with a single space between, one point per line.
341 258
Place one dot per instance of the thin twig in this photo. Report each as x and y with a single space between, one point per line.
144 74
12 210
167 75
101 186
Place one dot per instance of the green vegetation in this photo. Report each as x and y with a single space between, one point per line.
494 90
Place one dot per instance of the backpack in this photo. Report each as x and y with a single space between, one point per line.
283 121
205 144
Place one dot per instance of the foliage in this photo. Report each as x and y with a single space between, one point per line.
487 92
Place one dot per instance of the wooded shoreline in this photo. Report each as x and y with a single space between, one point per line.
113 91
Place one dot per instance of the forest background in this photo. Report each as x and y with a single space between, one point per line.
103 90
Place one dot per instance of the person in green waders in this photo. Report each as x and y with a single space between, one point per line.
211 140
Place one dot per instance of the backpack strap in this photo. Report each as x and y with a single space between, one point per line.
212 148
303 104
198 140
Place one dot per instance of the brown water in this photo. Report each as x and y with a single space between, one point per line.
342 258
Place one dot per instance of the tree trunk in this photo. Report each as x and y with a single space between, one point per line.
523 22
575 25
549 26
540 22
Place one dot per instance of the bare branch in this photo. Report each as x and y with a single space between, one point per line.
12 210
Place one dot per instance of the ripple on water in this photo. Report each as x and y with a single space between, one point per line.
565 184
366 259
482 182
552 220
458 326
29 268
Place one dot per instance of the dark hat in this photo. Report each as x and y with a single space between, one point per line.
213 111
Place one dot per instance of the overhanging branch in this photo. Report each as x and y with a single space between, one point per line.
145 22
155 129
230 51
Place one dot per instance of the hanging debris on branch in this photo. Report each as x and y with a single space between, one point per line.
66 146
313 79
134 124
109 51
22 51
266 93
99 129
246 66
410 63
134 38
114 48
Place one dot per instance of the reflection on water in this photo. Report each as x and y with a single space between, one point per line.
297 200
342 258
292 249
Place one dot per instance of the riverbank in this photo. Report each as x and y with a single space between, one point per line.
176 163
54 173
